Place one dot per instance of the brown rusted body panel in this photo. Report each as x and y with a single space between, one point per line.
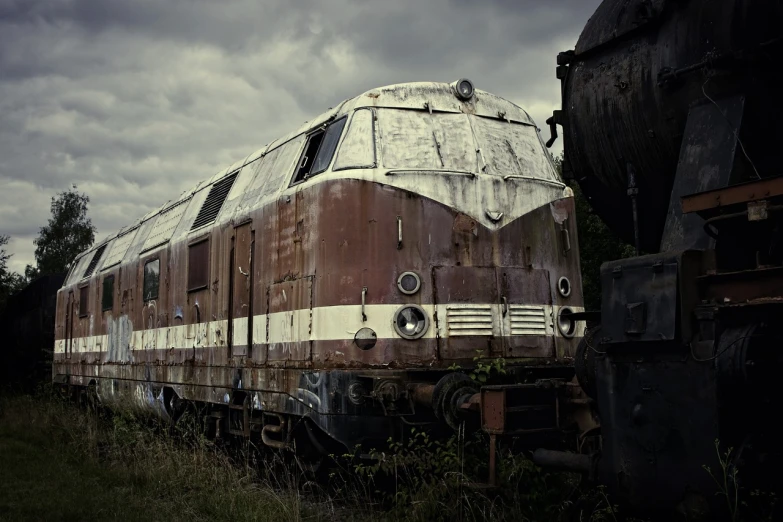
324 246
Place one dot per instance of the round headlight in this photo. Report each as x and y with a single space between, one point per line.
411 322
408 283
464 89
565 323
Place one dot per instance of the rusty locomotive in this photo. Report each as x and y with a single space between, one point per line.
670 114
321 288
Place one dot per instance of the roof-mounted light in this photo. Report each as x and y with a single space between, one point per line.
464 89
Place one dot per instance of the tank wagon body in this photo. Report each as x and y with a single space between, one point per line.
336 274
669 113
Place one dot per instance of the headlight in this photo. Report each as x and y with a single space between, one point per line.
565 323
411 322
409 283
464 89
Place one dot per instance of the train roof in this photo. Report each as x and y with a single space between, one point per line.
432 96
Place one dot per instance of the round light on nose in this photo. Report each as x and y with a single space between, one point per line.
565 323
365 338
408 283
464 89
564 286
411 322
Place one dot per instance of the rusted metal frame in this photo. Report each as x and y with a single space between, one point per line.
493 475
734 215
733 195
747 285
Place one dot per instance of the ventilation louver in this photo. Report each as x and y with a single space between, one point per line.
214 202
94 261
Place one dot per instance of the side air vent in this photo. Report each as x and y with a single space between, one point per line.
94 261
214 202
468 319
527 320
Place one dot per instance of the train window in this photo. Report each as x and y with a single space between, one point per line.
511 149
419 140
319 151
107 297
358 148
329 145
198 265
84 301
151 279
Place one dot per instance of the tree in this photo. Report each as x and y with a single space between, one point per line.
597 244
10 282
68 233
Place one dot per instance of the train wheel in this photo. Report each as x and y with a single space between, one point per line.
443 393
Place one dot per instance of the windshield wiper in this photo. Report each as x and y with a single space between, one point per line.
437 147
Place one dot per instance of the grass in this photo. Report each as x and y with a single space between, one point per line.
61 463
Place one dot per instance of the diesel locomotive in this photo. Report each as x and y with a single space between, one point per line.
327 285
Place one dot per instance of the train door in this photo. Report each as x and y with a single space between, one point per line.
241 292
151 294
526 312
69 309
467 301
290 307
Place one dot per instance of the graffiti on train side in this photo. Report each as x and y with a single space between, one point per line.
119 334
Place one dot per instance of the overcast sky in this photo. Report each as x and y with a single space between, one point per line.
136 100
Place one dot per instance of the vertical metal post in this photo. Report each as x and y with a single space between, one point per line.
633 191
493 479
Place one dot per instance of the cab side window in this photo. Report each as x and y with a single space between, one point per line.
107 297
319 151
84 301
151 279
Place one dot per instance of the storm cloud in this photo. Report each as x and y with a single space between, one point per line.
136 101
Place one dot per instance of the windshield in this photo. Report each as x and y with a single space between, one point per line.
461 142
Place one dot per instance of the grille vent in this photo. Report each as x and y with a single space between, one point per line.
94 261
527 320
469 320
214 202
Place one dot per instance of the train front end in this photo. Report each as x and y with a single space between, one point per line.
445 259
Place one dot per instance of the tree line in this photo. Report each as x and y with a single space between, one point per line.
68 232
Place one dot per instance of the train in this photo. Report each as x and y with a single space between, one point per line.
335 287
669 117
